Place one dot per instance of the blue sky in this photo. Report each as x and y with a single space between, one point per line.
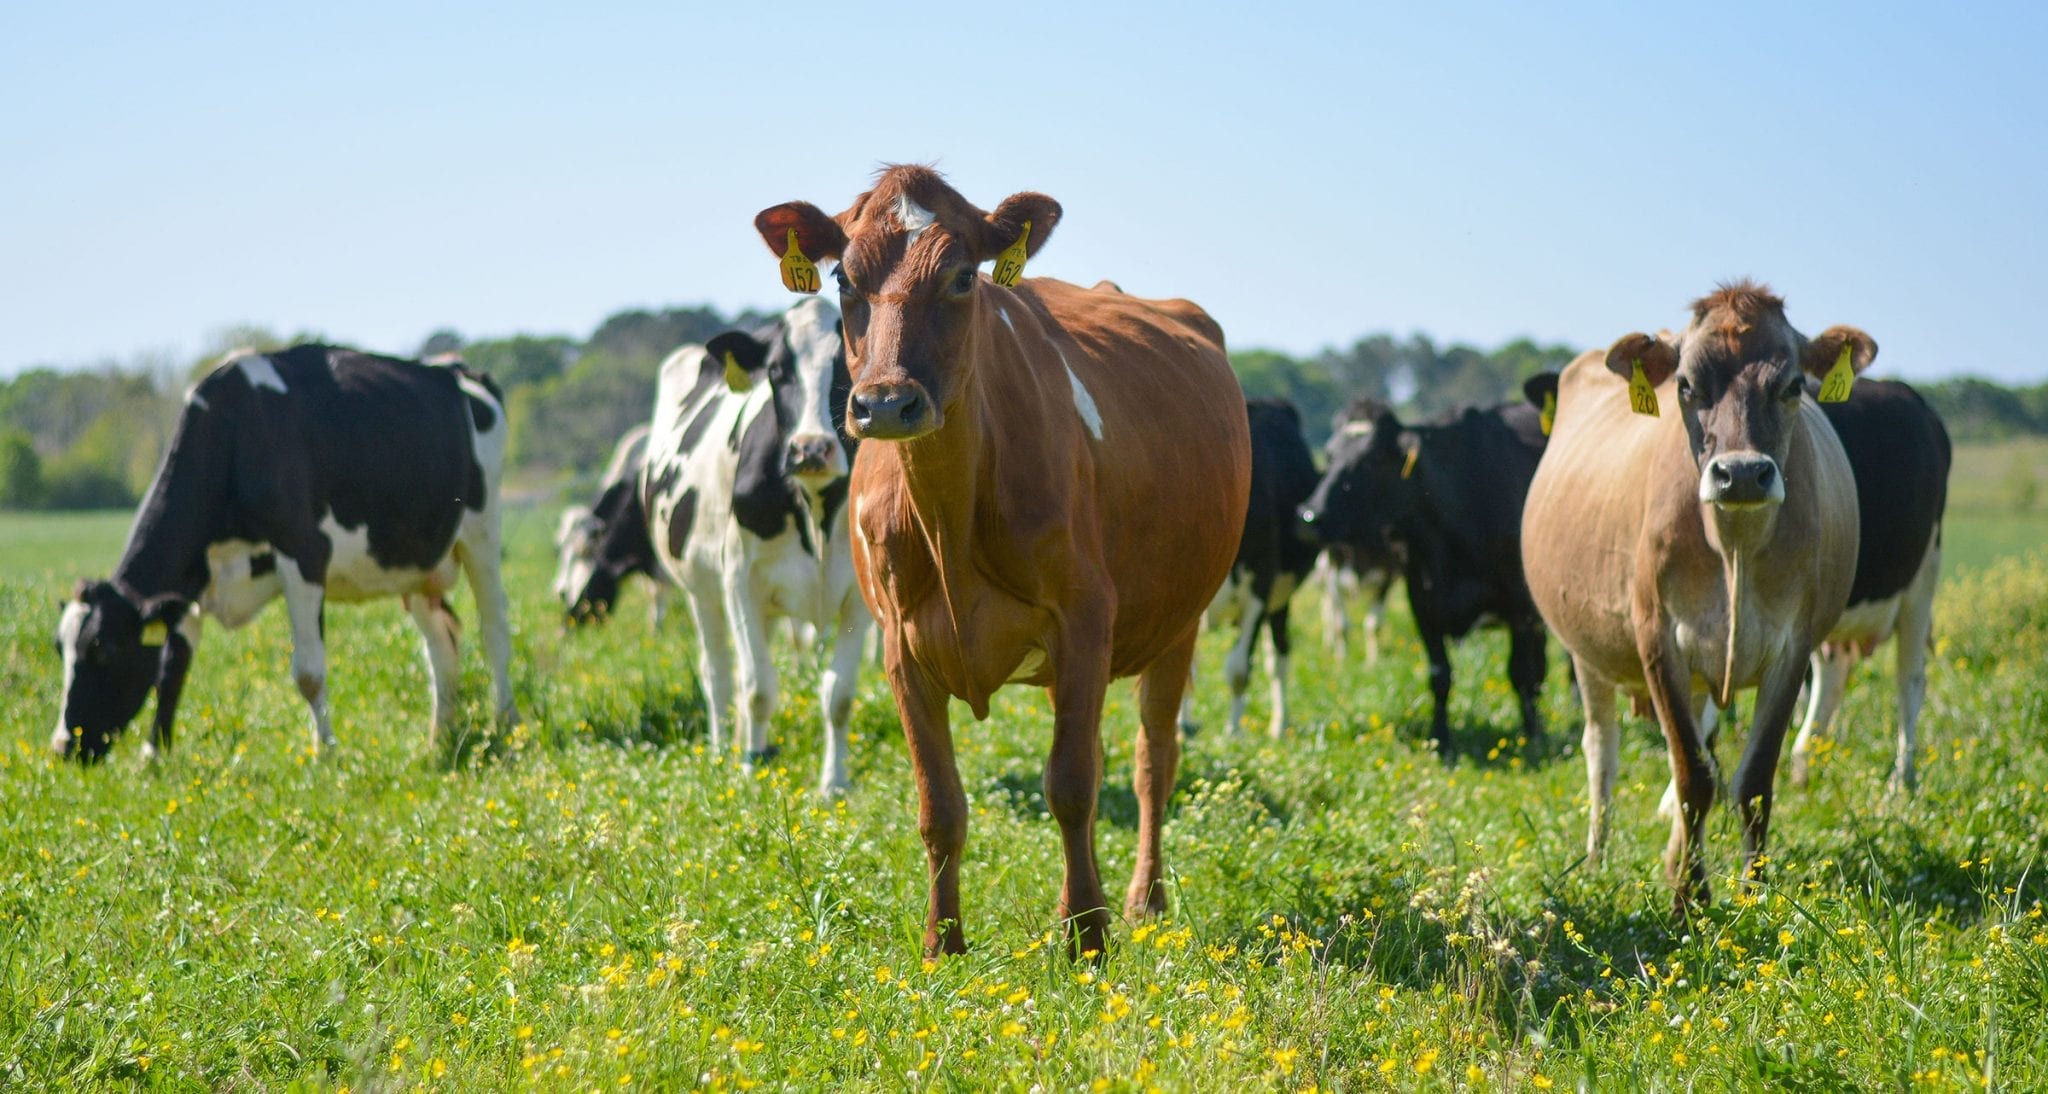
1309 173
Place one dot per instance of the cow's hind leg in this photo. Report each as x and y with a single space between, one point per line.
1155 766
1073 780
705 599
1276 666
1915 636
438 634
1237 666
305 602
481 562
1830 678
1603 746
1525 672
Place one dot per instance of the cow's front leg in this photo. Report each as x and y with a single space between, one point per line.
1525 671
755 710
1156 762
1692 771
1439 690
1603 747
484 566
438 636
1237 665
941 803
1276 667
704 596
1073 779
1754 776
170 683
305 601
835 692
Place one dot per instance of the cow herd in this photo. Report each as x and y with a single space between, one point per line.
1022 481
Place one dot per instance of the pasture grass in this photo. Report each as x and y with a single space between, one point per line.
591 901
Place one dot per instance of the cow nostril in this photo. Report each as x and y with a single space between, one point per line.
1722 475
912 408
861 410
1763 476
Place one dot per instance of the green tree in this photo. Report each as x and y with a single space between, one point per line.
21 471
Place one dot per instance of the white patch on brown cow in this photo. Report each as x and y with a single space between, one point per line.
913 217
1083 402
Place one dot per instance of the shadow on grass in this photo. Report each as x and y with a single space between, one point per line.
1116 804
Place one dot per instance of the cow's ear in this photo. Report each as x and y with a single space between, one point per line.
738 356
1824 351
1541 391
1004 227
802 236
1657 358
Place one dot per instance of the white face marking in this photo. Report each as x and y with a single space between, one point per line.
814 339
68 626
1083 402
915 218
260 372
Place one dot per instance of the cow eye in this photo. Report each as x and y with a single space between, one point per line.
845 283
1685 391
962 283
1794 387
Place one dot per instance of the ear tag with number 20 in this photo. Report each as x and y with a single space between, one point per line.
1642 398
1010 264
1835 387
799 274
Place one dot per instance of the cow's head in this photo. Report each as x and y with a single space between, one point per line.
909 253
1741 372
802 358
113 650
1368 490
619 546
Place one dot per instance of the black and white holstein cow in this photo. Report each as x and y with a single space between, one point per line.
585 593
315 474
1450 496
1900 454
744 494
1273 559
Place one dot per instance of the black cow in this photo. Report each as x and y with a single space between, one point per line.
1273 557
315 473
1451 496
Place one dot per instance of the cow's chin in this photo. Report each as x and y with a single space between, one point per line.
816 480
1743 525
925 426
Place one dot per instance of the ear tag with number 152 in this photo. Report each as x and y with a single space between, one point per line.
799 274
1010 264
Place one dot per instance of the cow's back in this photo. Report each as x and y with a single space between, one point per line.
1900 455
1585 512
1171 472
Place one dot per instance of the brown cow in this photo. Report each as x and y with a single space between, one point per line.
1061 487
1638 527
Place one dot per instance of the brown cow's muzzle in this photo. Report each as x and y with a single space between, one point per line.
1741 481
891 412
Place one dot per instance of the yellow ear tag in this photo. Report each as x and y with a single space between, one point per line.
1408 468
1834 387
1642 398
1548 417
799 274
154 633
1010 264
736 377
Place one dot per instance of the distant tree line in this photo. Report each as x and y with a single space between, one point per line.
91 438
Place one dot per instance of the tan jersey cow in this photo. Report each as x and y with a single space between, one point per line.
1700 543
1059 486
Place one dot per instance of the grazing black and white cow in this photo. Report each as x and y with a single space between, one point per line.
316 474
585 593
744 492
1273 557
1348 571
1451 496
1900 454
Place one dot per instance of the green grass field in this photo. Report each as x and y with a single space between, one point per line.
596 903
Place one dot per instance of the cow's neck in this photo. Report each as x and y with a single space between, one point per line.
185 512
